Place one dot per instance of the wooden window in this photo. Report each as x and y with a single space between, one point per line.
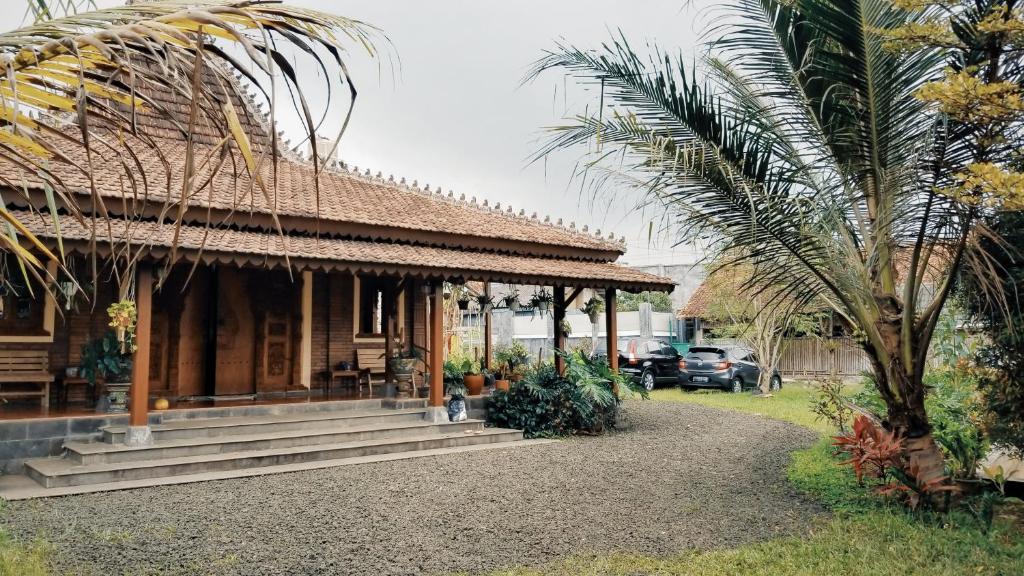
25 316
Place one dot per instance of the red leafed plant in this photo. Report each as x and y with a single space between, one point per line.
872 450
878 453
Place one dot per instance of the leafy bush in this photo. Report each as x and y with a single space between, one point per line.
545 403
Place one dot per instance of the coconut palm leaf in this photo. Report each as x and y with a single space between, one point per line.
798 143
73 89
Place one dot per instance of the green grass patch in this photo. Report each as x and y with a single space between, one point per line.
21 559
792 403
871 544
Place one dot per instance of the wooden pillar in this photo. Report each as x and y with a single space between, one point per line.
139 409
488 349
611 328
436 361
306 348
559 319
387 308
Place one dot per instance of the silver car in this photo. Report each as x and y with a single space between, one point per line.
728 367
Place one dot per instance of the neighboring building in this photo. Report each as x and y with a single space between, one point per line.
244 312
687 278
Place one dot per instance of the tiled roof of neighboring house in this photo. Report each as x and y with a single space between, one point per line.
267 248
697 305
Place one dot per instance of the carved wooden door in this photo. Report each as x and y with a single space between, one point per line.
277 349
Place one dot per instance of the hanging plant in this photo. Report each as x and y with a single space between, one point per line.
541 300
123 317
593 308
485 302
511 300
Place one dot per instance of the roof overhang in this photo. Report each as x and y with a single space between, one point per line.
307 252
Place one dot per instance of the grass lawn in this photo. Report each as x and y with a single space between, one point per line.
865 536
21 559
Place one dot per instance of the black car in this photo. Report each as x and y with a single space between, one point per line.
729 367
649 362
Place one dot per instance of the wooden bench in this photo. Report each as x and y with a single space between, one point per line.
26 367
372 364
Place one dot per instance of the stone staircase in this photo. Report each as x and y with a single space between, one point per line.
194 445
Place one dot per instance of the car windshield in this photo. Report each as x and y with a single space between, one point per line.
706 353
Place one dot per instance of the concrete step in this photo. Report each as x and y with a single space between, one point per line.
20 487
266 424
104 452
52 473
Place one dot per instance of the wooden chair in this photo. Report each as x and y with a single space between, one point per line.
372 365
26 367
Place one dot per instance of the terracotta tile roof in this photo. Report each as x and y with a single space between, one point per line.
698 303
261 248
345 198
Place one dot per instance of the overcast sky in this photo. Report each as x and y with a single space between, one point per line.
449 110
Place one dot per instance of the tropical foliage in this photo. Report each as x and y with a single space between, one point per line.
827 157
1001 359
630 302
74 87
545 403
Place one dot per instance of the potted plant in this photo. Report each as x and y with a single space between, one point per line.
463 303
510 360
103 358
485 302
541 300
472 377
454 382
593 308
403 363
511 300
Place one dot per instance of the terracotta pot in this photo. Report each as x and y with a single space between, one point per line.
474 384
516 377
501 385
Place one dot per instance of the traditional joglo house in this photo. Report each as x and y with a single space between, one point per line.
261 341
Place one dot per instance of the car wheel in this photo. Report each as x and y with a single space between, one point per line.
775 384
647 380
736 385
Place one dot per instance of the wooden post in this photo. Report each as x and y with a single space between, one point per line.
611 329
437 346
387 313
306 349
559 319
139 409
488 349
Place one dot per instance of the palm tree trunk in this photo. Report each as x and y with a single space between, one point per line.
902 389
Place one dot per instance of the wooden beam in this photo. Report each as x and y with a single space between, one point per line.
387 310
575 294
436 363
139 409
611 328
306 348
559 319
488 348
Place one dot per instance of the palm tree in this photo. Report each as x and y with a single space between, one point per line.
73 87
799 143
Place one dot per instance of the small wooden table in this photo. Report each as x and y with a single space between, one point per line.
342 375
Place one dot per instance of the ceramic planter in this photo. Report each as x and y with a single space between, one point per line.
474 384
117 394
514 305
594 317
502 385
463 304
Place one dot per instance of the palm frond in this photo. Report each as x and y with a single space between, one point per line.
73 89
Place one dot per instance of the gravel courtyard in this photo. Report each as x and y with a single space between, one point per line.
678 477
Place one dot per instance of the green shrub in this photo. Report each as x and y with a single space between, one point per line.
544 403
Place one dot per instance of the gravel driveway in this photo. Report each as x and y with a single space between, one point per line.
678 477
